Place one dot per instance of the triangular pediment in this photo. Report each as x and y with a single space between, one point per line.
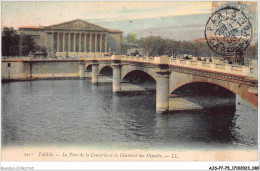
77 25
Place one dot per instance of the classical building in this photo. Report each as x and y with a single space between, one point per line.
76 38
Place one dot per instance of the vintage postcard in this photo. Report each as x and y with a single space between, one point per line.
129 81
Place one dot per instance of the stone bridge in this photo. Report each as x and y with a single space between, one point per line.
170 74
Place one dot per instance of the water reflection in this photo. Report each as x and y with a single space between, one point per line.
194 128
75 112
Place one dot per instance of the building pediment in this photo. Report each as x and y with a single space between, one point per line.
77 25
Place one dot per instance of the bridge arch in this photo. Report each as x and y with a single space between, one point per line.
126 69
106 70
88 67
178 79
104 66
202 84
200 95
136 75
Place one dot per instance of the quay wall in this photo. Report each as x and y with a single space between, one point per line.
15 70
27 70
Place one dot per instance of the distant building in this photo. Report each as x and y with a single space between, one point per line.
75 38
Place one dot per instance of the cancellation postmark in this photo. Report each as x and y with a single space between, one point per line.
228 31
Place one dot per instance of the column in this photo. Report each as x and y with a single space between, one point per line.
47 43
100 42
74 46
63 42
95 42
162 91
52 42
80 35
105 42
85 44
69 42
94 73
90 42
58 41
116 78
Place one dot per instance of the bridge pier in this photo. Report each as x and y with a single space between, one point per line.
116 78
162 91
81 70
94 73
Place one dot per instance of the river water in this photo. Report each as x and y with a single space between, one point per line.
77 113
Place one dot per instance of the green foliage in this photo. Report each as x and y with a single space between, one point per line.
131 38
157 46
252 51
10 42
14 44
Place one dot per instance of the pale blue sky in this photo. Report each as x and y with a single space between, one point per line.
30 13
168 19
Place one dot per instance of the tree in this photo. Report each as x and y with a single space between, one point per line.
155 45
131 38
14 44
27 45
10 42
159 46
251 51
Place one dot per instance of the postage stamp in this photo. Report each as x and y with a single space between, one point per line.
228 31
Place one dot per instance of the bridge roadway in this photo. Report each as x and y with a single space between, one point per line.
171 74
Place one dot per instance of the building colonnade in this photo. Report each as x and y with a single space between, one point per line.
77 42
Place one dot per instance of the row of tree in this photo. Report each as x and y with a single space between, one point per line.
14 44
157 46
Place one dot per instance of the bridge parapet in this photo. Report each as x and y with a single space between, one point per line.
116 57
242 70
104 57
218 67
145 59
